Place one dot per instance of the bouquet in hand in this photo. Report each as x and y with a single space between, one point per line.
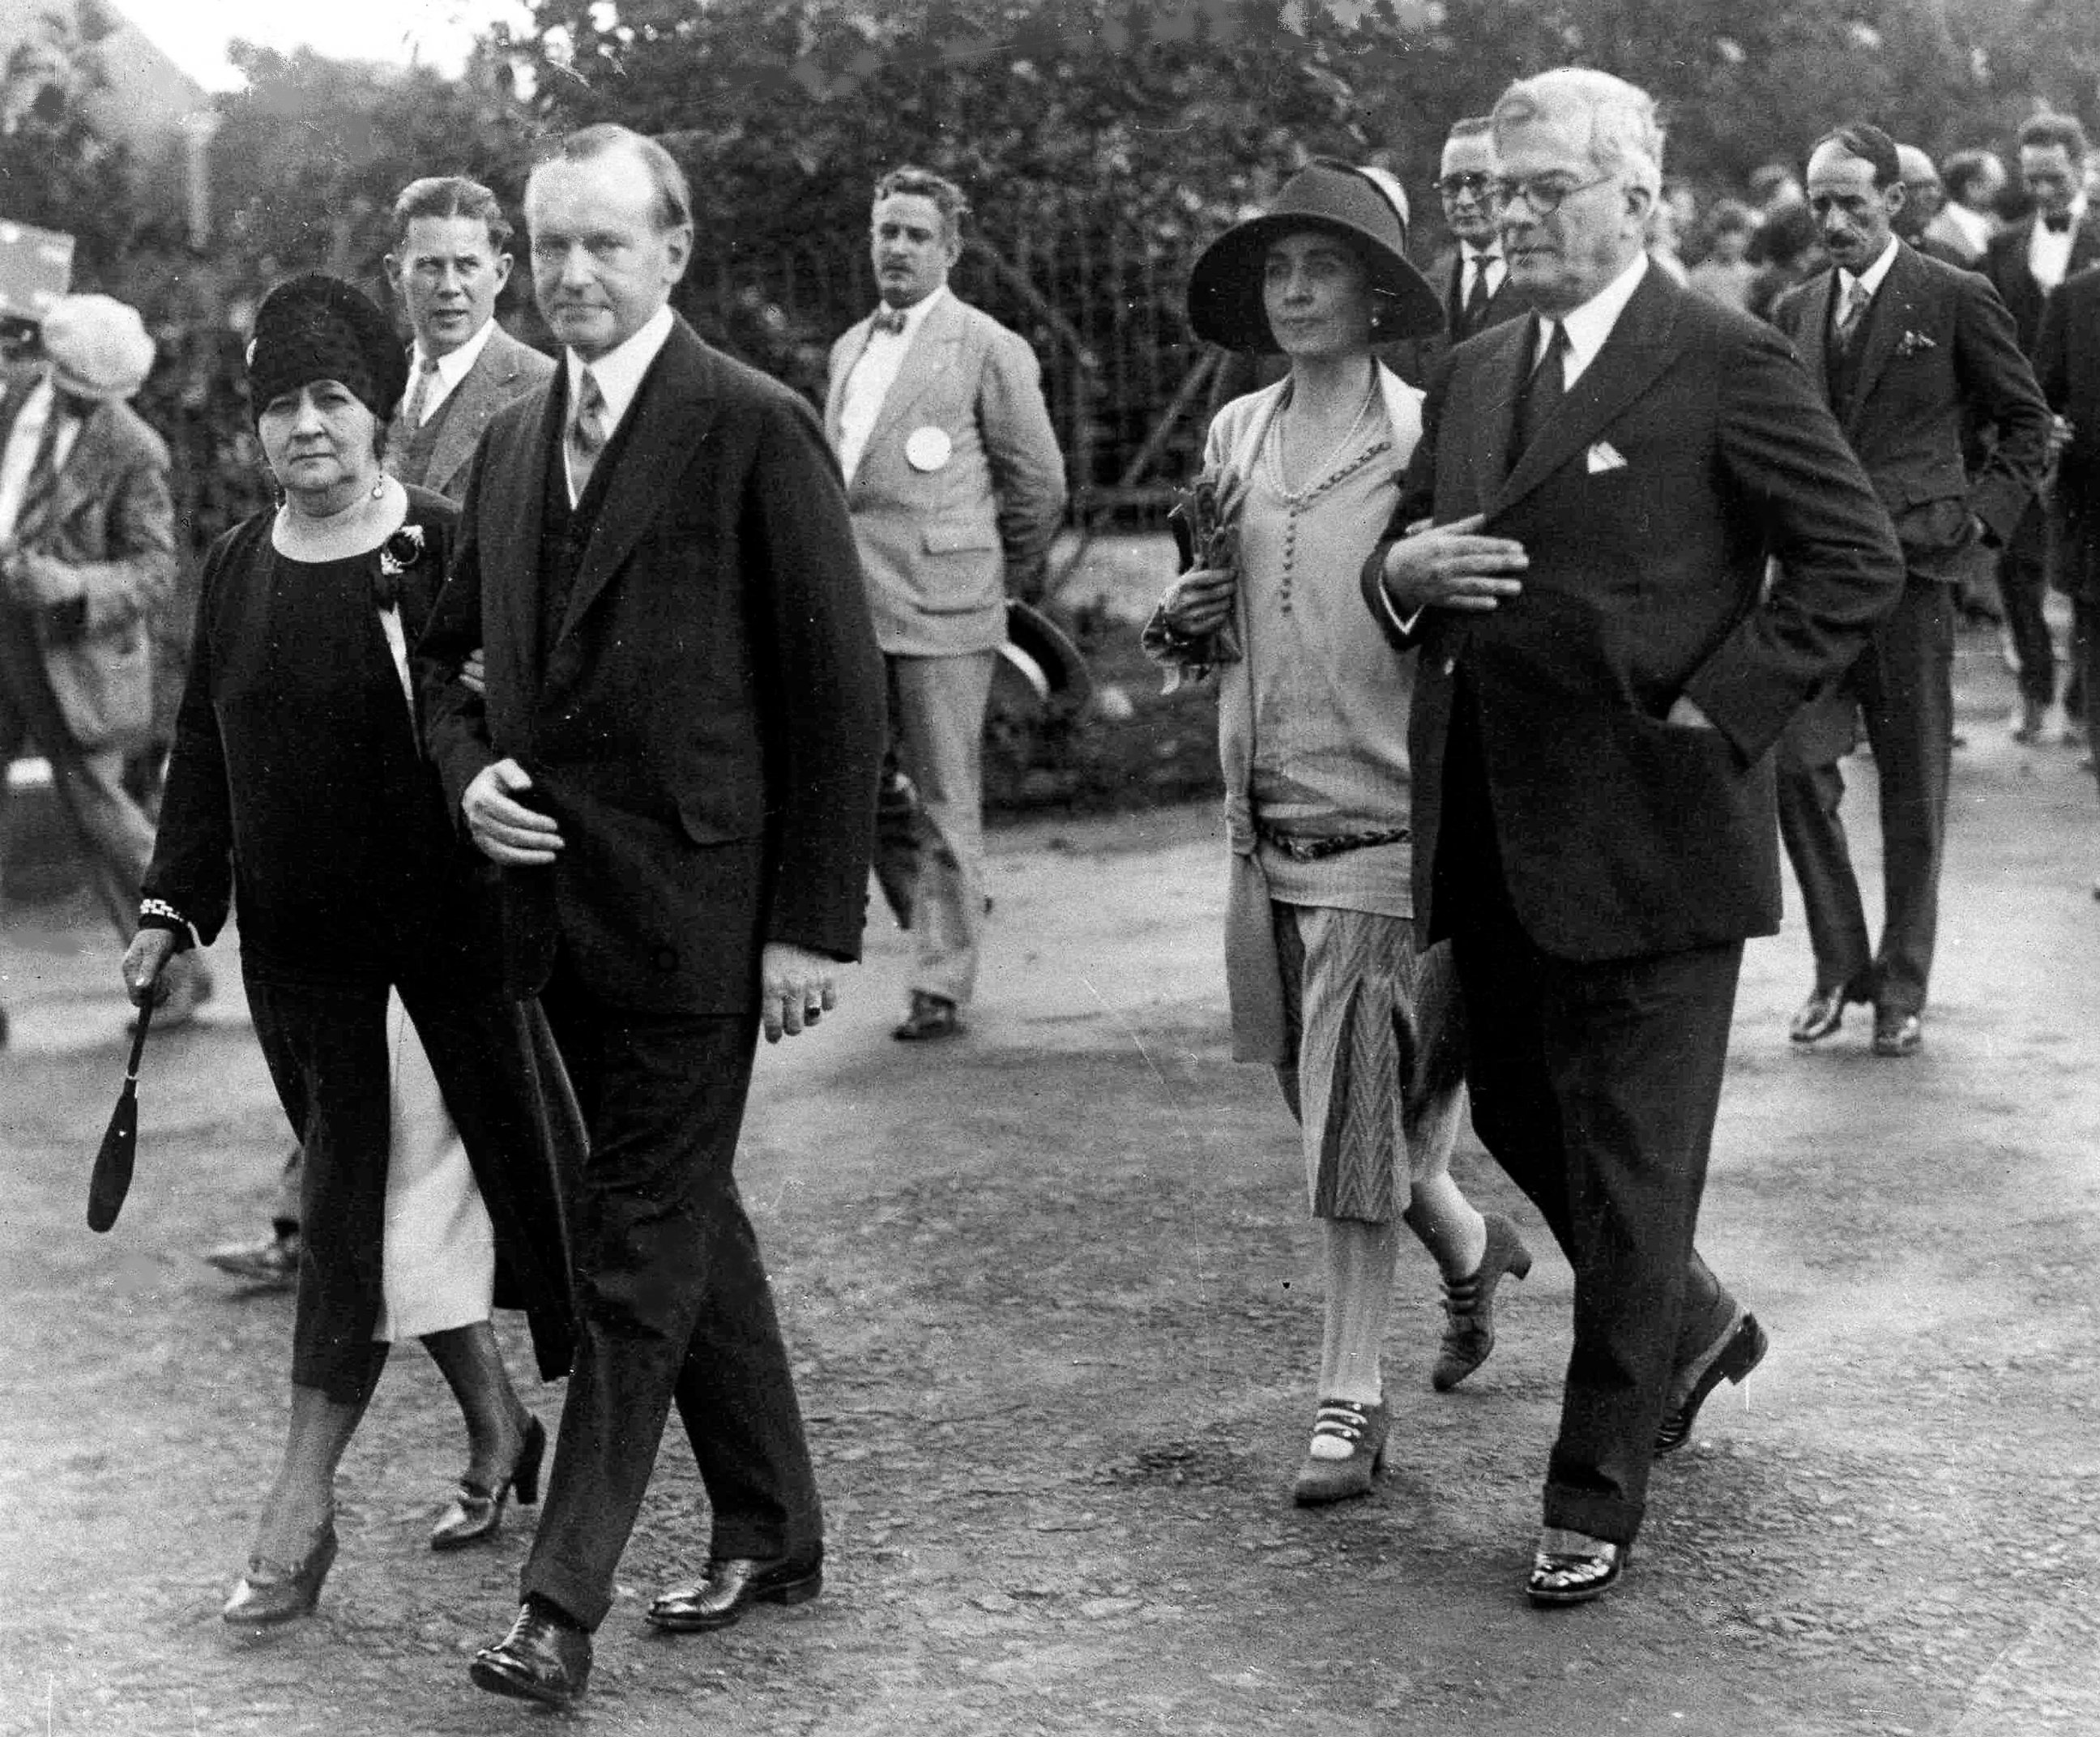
1204 525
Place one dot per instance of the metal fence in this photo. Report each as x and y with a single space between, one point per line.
1102 307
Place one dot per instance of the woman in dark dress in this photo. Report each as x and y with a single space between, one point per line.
298 784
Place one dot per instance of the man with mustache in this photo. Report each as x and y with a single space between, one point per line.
1910 352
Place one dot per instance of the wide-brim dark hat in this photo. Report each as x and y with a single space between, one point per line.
1225 304
314 327
1043 654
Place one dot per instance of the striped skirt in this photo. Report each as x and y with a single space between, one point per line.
1377 1072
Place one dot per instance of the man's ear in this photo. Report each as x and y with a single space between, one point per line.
391 265
1894 197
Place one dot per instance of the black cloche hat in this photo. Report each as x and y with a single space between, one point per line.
1366 207
314 327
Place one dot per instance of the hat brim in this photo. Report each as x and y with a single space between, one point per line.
1225 300
102 392
1044 654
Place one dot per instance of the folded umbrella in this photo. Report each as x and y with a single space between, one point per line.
112 1180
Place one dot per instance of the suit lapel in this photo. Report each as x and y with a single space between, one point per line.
672 413
91 459
2084 245
510 517
467 412
933 353
1890 316
1493 399
850 349
1637 351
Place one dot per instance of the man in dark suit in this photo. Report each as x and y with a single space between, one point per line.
673 763
450 262
2025 263
1912 353
2067 361
1602 675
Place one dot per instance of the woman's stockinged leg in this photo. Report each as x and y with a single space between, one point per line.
472 1364
1359 1259
1448 1225
303 1495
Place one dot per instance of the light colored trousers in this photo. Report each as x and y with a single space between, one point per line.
937 719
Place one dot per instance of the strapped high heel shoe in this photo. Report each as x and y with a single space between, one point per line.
476 1512
269 1593
1469 1304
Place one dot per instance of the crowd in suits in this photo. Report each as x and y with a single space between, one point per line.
684 658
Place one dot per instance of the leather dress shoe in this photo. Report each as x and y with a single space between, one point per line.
476 1512
271 1264
731 1585
1741 1350
1897 1033
539 1659
931 1017
1821 1015
269 1593
1571 1567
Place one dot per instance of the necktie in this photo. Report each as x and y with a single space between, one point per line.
1847 333
43 468
419 395
586 434
2058 226
889 320
1543 391
1476 308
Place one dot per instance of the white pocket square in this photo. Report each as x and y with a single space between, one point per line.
1605 457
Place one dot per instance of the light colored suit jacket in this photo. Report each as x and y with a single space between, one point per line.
937 538
505 370
107 528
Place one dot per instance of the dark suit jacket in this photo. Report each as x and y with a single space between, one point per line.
1939 348
2068 359
2005 264
505 370
1693 447
706 724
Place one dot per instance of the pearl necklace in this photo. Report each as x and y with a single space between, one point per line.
1319 471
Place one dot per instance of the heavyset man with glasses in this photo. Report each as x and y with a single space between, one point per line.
1603 677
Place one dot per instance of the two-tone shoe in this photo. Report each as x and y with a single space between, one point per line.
1346 1452
1571 1567
728 1586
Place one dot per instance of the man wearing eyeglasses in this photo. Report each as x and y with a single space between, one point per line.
1602 675
1473 278
2025 264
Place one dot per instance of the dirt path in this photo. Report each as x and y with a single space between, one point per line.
1051 1292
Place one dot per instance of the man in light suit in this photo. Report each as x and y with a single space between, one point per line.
1602 675
672 758
87 551
450 262
2025 264
956 488
1912 354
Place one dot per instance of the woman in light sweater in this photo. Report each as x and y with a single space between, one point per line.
1325 983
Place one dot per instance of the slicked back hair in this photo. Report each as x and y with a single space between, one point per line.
674 198
1871 145
451 195
2041 131
1617 118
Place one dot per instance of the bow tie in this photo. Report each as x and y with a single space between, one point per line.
889 320
2058 226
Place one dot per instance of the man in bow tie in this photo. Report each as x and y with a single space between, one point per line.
1912 353
1602 673
956 488
672 759
2025 264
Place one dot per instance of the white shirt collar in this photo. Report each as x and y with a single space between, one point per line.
620 370
915 316
1589 325
1869 279
454 365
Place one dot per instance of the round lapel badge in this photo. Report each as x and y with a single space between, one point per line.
928 448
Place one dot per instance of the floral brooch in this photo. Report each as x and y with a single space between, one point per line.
397 554
1911 343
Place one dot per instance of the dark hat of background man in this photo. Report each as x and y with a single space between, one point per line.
1225 301
314 327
